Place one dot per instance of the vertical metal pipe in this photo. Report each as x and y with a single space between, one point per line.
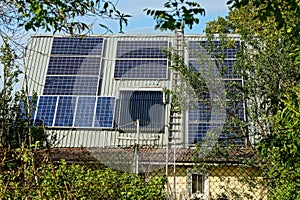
167 158
174 167
137 146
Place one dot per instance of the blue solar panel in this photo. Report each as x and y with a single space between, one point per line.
71 85
233 86
200 47
235 110
65 111
201 57
32 108
231 135
141 60
104 112
46 110
78 112
74 66
197 131
209 67
200 121
226 70
141 69
229 71
141 49
85 112
201 113
77 46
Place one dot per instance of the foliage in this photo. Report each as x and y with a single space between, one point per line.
57 16
281 148
16 111
28 174
220 25
17 16
283 14
266 61
178 14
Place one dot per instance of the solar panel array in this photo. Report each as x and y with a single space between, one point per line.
70 98
24 108
141 60
200 119
199 57
104 112
75 111
74 66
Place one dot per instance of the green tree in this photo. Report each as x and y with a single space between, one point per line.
177 14
56 16
281 148
264 61
16 108
8 107
267 60
284 14
29 174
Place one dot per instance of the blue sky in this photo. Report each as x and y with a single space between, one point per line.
141 23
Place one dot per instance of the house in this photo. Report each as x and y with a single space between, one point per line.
110 94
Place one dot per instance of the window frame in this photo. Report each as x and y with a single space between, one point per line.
197 195
120 103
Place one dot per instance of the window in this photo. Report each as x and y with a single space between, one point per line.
198 184
147 106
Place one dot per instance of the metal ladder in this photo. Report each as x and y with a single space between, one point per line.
175 113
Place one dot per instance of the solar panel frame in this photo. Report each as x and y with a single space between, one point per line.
197 131
77 46
141 60
85 111
33 102
74 65
137 69
196 47
199 121
141 49
71 85
46 110
65 111
104 115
